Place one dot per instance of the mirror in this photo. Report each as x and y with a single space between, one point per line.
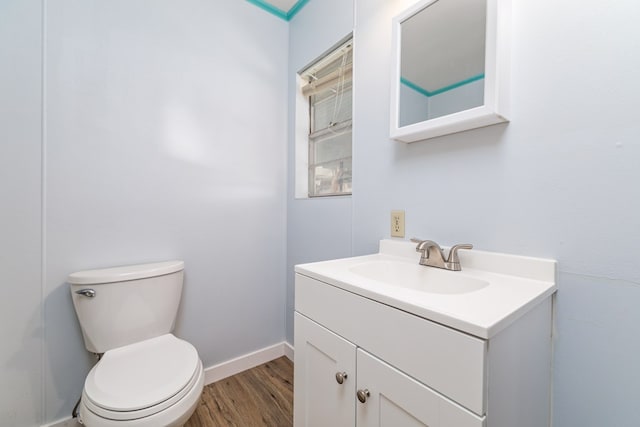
450 67
452 31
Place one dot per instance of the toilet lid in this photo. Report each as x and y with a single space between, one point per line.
143 374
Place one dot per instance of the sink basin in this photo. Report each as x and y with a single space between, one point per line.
418 277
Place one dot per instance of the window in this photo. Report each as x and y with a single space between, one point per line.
328 88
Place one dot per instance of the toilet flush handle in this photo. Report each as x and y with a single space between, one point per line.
90 293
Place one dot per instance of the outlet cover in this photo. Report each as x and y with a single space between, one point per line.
397 223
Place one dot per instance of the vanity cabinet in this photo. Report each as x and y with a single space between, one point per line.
394 399
321 357
410 371
332 375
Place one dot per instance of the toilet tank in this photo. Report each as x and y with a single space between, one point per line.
123 305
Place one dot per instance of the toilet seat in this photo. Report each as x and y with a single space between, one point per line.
142 379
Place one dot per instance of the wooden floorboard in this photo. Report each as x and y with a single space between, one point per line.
262 396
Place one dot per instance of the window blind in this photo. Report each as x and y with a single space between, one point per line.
329 90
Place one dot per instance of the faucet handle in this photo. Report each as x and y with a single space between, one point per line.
453 253
426 246
419 242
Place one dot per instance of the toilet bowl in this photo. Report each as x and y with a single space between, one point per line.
146 377
157 382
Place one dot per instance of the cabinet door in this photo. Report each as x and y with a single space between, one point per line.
397 400
319 399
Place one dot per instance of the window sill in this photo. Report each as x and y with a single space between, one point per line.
328 196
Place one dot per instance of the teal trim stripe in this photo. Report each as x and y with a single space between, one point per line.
262 4
425 92
460 83
412 85
269 8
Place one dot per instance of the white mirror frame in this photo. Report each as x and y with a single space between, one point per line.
496 82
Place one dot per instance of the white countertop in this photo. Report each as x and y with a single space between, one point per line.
515 285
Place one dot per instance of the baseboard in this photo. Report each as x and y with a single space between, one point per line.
288 350
221 371
247 361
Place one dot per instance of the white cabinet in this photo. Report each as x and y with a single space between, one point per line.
416 372
332 375
397 400
321 357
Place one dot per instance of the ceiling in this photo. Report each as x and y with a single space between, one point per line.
284 9
284 5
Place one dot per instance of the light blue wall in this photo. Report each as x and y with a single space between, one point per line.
317 229
129 179
559 181
20 212
165 137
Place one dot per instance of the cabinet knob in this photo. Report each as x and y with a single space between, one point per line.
340 377
363 394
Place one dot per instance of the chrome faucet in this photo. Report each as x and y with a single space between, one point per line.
432 255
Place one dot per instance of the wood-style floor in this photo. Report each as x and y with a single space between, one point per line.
262 396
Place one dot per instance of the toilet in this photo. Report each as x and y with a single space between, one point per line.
146 377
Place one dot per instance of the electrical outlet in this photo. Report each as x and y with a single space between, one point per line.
397 223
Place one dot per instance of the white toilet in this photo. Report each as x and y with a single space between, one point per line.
146 377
